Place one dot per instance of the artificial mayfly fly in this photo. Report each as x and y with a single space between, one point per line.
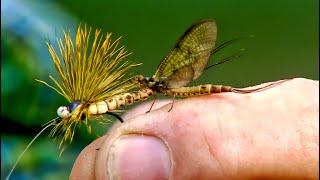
186 62
93 78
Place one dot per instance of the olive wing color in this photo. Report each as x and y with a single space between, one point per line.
190 56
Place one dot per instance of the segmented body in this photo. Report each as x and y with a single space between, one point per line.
119 101
197 90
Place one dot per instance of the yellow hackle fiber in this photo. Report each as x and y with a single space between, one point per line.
89 72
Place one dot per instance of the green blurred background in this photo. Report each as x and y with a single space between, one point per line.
285 45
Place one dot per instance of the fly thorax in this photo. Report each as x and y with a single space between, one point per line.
159 86
150 82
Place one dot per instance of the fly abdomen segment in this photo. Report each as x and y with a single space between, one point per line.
100 107
140 95
197 90
145 93
119 101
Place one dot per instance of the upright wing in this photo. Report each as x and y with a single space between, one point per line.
190 55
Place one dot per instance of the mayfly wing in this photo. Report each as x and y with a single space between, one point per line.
190 55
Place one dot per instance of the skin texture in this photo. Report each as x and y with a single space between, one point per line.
272 134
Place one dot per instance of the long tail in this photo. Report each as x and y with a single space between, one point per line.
28 146
245 91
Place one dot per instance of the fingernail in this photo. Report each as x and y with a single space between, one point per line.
138 157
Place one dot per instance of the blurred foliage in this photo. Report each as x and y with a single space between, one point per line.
285 45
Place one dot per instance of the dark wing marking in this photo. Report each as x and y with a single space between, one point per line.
190 55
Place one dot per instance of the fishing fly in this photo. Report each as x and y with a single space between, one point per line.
186 62
93 78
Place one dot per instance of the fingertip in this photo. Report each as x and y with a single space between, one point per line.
84 166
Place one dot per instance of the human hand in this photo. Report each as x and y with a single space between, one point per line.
272 134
